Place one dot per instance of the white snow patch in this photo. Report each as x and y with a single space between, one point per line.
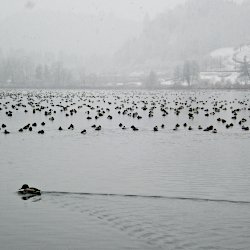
223 52
166 82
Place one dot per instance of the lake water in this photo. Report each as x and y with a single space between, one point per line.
123 189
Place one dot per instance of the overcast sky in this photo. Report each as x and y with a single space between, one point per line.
131 9
21 30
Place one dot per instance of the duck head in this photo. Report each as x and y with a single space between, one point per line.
24 186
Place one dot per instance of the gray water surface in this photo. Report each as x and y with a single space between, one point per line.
190 188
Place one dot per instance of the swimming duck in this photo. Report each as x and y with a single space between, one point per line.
6 132
25 189
71 127
155 129
134 128
98 128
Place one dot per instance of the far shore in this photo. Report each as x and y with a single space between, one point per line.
131 87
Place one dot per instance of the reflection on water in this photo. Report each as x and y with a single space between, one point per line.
33 197
124 189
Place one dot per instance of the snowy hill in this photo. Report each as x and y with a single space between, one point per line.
231 61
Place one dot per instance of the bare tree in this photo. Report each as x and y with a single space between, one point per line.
245 70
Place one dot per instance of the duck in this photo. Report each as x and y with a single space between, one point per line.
25 189
134 128
98 128
26 126
71 127
84 131
208 128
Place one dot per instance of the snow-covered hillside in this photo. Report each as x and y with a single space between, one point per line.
231 61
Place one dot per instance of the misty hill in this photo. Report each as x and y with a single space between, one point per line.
77 34
189 31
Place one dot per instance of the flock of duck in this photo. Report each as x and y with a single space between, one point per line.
174 110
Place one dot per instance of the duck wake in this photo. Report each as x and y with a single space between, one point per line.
198 199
